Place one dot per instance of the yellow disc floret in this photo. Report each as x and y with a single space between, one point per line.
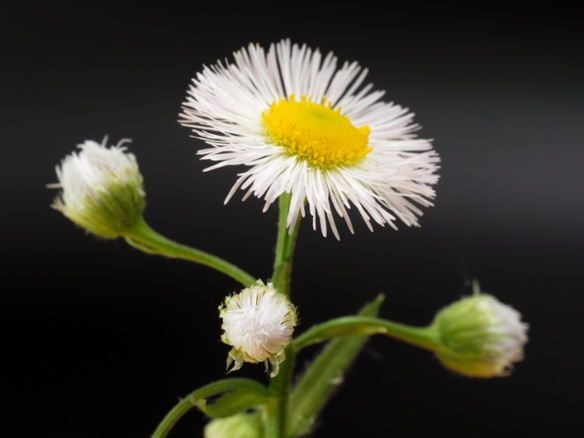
316 132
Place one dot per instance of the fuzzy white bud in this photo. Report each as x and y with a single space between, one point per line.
258 323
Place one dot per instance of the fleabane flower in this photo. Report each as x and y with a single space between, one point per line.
258 323
480 336
303 126
102 188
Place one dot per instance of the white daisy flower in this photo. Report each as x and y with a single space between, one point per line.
303 126
258 323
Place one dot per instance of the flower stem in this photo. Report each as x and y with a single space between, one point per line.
280 390
198 396
280 385
173 416
423 337
145 239
285 245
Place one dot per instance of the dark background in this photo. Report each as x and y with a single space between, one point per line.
100 340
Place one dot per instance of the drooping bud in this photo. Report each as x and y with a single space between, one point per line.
480 336
102 189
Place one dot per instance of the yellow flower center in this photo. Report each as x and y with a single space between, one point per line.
316 132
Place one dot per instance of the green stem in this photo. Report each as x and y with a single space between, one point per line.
194 398
285 245
145 239
424 337
279 389
275 425
173 416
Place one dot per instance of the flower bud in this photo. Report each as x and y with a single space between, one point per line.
102 189
258 323
480 336
239 425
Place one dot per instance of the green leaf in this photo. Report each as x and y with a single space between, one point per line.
321 379
250 393
233 403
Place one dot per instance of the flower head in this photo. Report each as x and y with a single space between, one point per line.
480 336
258 323
101 188
305 127
239 425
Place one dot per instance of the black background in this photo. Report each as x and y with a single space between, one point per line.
100 340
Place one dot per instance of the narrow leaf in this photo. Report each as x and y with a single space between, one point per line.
321 379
